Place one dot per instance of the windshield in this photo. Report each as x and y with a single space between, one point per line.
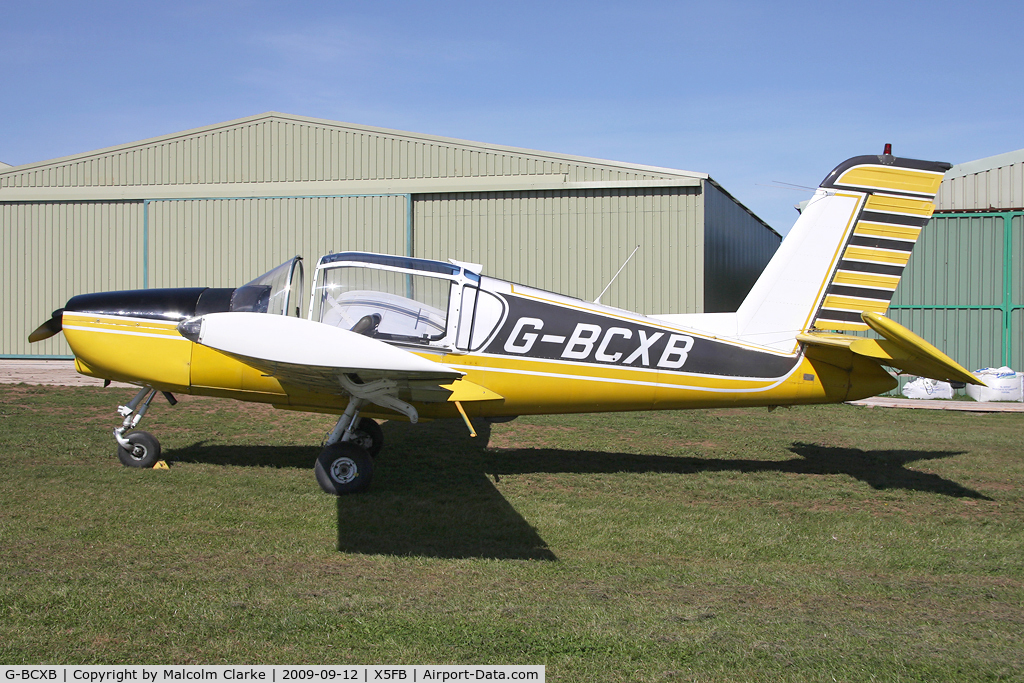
384 303
277 291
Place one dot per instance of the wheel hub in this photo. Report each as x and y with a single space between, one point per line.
344 470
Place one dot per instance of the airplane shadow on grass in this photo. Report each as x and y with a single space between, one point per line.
430 497
433 494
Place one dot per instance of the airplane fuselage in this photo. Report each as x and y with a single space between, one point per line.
548 354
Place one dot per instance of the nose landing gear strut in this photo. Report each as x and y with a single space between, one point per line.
138 448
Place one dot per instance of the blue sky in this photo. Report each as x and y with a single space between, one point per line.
753 93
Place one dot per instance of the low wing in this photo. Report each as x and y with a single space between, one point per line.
899 348
309 354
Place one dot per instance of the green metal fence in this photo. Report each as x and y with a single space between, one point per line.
963 289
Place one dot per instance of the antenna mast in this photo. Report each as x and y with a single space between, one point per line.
598 299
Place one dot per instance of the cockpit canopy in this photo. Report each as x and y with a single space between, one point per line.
404 300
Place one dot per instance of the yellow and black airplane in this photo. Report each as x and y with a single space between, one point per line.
401 337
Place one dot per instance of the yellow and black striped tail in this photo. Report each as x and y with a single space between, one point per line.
898 203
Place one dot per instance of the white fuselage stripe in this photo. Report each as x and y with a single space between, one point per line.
663 385
125 332
648 370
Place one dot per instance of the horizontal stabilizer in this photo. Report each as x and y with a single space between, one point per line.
899 348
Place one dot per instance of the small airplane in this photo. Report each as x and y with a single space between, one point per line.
400 337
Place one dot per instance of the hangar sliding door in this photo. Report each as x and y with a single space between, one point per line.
573 241
227 242
57 250
963 289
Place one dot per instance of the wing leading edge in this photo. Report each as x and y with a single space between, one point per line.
309 354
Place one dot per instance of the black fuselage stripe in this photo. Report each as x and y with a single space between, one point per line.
172 304
538 330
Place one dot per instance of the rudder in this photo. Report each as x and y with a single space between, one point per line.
899 200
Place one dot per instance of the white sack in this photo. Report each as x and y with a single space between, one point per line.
1003 385
922 387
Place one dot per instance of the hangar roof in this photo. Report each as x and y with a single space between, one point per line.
986 164
229 152
994 183
276 154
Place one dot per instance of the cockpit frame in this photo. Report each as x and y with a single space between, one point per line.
405 300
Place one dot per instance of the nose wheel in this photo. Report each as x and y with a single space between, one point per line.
136 448
143 450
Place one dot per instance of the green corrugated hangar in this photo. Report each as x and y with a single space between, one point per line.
963 289
220 205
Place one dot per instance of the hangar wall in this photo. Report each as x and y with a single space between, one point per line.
734 256
963 289
990 183
256 234
43 263
575 241
218 206
281 148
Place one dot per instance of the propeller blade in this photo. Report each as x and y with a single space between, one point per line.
51 327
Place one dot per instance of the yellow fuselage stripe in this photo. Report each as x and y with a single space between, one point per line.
845 326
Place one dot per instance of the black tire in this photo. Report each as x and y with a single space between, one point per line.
344 468
369 436
144 450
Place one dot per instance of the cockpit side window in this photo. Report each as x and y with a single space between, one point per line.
479 316
387 304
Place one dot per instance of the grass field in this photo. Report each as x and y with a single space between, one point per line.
811 544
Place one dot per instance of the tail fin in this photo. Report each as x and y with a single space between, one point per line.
847 251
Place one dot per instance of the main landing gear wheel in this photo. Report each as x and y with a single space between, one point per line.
344 468
369 436
143 450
